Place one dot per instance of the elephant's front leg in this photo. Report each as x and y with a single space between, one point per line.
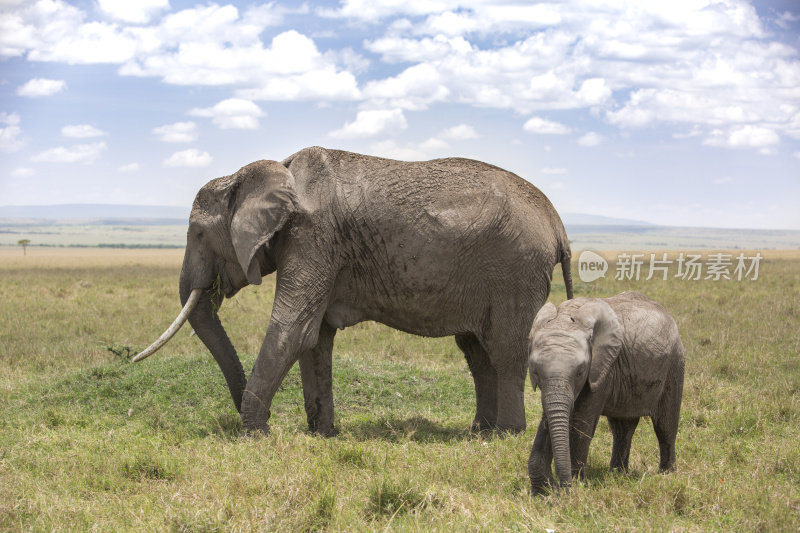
540 471
586 413
294 328
317 377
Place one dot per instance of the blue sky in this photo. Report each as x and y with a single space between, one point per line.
684 112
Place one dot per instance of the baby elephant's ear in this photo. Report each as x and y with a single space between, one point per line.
606 340
546 314
262 202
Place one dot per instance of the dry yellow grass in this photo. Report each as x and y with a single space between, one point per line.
40 256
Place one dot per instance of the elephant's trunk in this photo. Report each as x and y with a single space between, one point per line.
557 406
207 326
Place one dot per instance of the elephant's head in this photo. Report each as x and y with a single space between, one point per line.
233 228
570 348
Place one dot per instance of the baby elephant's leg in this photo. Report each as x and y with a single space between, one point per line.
540 461
665 421
622 430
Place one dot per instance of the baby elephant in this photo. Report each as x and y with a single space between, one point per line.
620 357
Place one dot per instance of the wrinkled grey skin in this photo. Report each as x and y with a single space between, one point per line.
619 357
444 247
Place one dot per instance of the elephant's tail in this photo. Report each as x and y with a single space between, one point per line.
566 257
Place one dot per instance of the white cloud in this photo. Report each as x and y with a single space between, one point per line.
130 167
233 113
748 136
49 30
23 172
139 11
179 132
390 149
682 62
785 19
460 132
590 139
371 123
434 144
324 84
687 63
212 45
415 88
203 45
489 18
82 131
544 126
371 10
400 49
188 158
41 87
723 181
81 153
752 136
796 154
10 132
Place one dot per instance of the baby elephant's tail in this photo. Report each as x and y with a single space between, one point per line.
566 256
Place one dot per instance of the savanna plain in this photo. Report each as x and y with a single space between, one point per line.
91 441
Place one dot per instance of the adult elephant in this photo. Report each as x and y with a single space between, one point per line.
436 248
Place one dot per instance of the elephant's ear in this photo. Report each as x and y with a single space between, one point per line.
606 340
547 313
262 200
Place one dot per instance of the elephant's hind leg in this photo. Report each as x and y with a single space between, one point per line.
622 431
665 421
485 377
316 374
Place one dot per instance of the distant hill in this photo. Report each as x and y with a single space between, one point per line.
165 226
94 214
585 219
116 212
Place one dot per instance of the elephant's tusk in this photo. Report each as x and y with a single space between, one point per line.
191 303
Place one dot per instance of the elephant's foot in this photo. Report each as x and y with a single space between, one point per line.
259 431
509 429
481 425
255 408
542 488
579 471
665 469
327 431
541 476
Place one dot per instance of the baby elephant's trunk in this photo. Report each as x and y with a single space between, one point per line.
557 406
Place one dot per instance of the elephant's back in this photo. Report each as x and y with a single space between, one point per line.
648 328
456 193
456 211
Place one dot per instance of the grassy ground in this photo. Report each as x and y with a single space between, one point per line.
91 441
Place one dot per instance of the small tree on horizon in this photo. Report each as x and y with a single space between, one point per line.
24 243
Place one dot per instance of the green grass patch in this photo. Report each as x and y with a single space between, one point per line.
89 440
